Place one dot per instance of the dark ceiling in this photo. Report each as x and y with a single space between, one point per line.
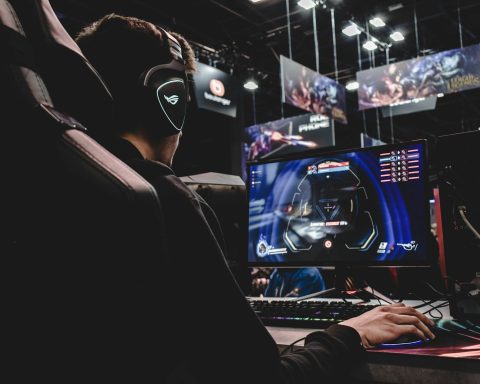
246 38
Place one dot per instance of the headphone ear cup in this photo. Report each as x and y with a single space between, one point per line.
164 97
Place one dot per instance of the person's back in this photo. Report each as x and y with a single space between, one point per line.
202 336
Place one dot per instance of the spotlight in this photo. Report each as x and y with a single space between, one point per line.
307 4
397 36
377 22
370 45
250 85
351 30
352 86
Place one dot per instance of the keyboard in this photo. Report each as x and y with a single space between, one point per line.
306 314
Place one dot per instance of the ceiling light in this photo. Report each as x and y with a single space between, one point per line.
395 7
307 4
351 30
440 94
251 85
352 86
397 36
370 45
377 22
255 1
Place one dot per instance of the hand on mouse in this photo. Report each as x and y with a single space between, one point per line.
387 323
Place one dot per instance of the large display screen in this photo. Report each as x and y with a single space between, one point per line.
416 79
310 91
361 207
291 135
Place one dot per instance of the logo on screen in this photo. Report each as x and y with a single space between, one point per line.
171 99
217 87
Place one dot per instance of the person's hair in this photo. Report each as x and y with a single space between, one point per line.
121 48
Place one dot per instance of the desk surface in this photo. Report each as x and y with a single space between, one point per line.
451 358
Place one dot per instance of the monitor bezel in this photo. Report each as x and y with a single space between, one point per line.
427 263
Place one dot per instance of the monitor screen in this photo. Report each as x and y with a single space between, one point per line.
366 206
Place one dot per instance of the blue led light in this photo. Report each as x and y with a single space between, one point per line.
402 345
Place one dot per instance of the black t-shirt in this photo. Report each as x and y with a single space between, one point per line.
209 332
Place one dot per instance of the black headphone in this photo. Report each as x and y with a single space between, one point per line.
164 91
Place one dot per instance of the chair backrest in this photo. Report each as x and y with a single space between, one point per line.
68 74
84 245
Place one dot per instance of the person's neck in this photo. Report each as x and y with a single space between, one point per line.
161 150
141 143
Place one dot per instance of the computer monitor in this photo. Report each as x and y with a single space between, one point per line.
362 207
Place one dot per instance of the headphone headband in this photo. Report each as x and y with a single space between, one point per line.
173 45
174 65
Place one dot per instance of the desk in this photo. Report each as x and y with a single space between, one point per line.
415 365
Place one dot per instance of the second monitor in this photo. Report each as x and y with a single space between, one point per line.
358 207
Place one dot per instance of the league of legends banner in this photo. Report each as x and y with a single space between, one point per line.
401 83
308 90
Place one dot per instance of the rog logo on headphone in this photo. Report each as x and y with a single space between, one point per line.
171 99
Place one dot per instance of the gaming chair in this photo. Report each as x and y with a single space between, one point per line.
84 248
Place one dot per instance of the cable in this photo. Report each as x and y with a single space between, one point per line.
436 308
334 39
462 210
440 294
372 292
433 307
359 52
416 26
315 38
425 303
290 346
378 295
288 29
254 108
460 29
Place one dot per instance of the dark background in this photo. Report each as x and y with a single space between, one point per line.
245 39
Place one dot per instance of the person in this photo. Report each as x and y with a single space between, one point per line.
205 335
294 282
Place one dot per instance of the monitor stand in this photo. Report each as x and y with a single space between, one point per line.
341 276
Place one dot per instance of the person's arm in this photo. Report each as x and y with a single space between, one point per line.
327 356
330 354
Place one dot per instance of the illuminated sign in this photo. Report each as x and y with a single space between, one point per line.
215 90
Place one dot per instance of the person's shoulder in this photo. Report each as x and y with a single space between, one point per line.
163 179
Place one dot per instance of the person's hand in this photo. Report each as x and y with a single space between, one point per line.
387 323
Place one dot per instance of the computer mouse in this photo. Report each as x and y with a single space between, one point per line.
411 339
405 341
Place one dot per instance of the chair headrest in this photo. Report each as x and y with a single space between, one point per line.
21 84
74 85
